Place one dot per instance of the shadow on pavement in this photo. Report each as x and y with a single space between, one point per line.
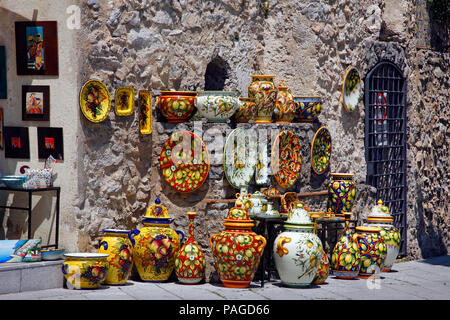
442 261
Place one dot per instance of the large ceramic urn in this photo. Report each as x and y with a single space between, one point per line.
381 217
284 111
341 193
237 250
297 250
155 244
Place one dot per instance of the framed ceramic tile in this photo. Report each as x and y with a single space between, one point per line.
1 128
36 103
17 143
3 83
37 48
50 143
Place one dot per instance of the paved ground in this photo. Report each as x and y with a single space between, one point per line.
413 280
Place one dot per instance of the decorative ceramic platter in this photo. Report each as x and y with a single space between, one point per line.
145 112
239 158
184 161
321 150
286 159
95 101
351 89
124 101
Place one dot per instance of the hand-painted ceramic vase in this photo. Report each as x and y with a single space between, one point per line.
263 90
259 204
237 250
307 108
176 106
217 106
246 111
120 260
324 269
284 111
155 245
381 217
259 82
346 259
85 270
372 249
190 261
341 193
297 250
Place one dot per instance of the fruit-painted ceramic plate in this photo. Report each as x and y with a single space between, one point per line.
321 150
124 101
184 161
351 89
145 112
95 101
286 159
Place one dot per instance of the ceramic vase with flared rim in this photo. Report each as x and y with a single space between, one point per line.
372 249
84 270
260 81
176 106
341 193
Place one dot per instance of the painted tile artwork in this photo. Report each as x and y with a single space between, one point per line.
34 103
16 142
35 48
50 143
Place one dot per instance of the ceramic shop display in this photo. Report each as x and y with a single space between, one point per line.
307 108
52 254
145 112
84 270
217 106
176 106
155 244
297 250
381 217
95 101
237 250
341 193
286 159
263 90
284 111
351 89
321 150
259 204
190 262
372 249
116 243
346 258
246 111
184 161
239 157
124 101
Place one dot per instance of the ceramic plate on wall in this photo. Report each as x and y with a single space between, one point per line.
321 150
95 101
145 112
351 89
124 101
184 161
286 159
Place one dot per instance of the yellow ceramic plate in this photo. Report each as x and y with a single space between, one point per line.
145 112
351 89
95 101
124 101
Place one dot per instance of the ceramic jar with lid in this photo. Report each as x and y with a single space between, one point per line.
284 111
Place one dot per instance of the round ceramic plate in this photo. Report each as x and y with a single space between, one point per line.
184 161
95 101
239 157
286 159
321 150
351 89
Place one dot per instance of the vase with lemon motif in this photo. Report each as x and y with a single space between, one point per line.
284 111
237 250
341 193
372 249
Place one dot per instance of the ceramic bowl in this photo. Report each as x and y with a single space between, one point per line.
307 108
13 181
217 106
84 270
52 254
176 106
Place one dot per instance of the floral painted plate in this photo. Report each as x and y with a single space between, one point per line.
124 101
286 159
351 89
145 112
184 161
95 101
321 150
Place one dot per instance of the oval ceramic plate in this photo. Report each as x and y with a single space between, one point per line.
124 101
351 89
145 111
286 159
95 101
184 161
321 150
239 157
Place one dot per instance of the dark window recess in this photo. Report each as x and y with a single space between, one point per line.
216 74
385 140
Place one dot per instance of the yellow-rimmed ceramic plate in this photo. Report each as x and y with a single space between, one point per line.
124 101
321 150
145 112
351 89
95 101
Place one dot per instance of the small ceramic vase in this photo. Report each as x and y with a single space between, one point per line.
120 260
297 250
217 106
372 249
259 82
346 259
237 250
284 111
190 261
381 217
246 111
307 109
263 90
85 270
155 245
176 106
341 193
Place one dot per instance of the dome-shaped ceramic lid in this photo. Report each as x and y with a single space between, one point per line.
380 213
299 216
157 211
238 217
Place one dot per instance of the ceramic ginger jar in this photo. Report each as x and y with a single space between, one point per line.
263 90
246 111
381 217
190 261
217 106
297 250
120 260
372 249
176 106
237 250
155 245
341 193
84 270
284 111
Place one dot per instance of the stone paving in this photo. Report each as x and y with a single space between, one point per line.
412 280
